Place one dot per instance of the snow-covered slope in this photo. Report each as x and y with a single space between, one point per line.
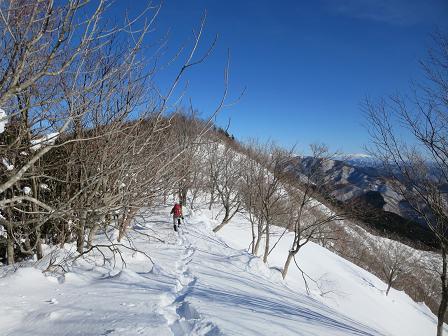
346 287
205 284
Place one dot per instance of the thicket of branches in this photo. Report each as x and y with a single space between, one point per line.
87 137
270 187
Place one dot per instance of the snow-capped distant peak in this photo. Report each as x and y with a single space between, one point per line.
359 156
360 160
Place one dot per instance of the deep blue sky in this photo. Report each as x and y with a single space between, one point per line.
306 65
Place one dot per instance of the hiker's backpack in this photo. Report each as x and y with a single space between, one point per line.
177 210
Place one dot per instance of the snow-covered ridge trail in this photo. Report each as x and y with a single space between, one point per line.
181 317
200 284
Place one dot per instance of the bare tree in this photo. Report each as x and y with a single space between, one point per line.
265 195
226 177
418 162
308 219
251 176
212 153
396 260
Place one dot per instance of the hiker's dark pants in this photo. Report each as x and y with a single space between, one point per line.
178 220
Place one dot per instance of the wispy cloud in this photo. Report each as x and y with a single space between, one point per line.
398 12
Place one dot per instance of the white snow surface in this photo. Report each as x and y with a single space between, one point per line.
3 120
203 283
47 139
7 164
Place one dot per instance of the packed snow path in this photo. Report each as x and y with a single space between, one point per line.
198 285
219 286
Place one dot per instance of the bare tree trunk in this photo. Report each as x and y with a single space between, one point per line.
94 229
9 245
81 232
444 301
92 234
27 244
389 285
259 236
288 261
63 234
257 245
266 246
253 237
212 198
224 221
194 195
126 222
39 251
220 226
183 195
165 196
391 277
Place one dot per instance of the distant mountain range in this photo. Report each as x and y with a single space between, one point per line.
360 160
359 182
